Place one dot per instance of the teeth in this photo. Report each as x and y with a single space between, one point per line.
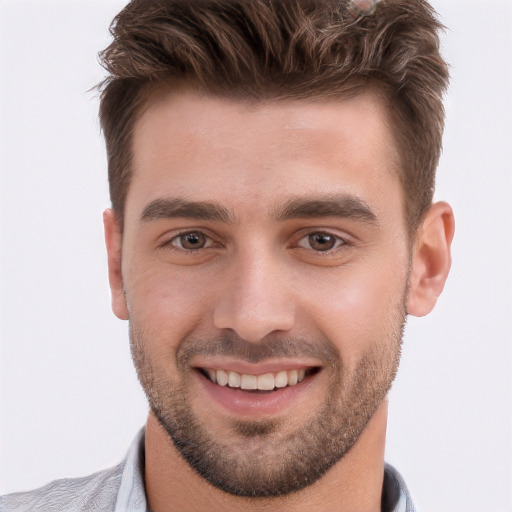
213 375
265 382
222 378
234 380
248 381
281 379
292 378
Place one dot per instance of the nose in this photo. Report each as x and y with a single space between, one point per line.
255 299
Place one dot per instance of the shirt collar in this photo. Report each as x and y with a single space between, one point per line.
395 495
132 494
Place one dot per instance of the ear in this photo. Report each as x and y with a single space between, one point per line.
114 242
431 259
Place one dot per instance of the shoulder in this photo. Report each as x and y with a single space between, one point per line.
395 494
94 492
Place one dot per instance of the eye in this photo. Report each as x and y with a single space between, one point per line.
191 241
321 241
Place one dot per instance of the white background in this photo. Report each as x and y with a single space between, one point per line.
70 401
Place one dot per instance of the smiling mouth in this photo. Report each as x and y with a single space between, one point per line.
265 382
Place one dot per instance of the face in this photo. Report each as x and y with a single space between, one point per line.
264 265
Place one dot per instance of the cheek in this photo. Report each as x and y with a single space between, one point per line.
167 305
356 310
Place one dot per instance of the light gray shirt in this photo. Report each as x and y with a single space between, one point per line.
121 489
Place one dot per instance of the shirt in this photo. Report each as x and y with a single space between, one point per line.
121 489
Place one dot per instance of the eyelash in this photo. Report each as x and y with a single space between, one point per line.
169 243
340 242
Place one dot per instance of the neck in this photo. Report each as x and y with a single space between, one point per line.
353 483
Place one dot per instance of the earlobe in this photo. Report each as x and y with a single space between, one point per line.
431 259
113 241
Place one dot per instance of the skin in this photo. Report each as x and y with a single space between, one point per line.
363 7
259 279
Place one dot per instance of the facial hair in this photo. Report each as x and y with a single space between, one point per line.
257 459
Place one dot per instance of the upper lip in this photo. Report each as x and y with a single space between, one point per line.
240 366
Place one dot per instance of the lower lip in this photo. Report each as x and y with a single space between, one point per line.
247 403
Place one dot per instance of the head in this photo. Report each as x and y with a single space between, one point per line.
268 164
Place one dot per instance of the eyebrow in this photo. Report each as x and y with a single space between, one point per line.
344 206
172 208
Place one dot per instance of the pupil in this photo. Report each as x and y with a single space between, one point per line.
321 242
192 241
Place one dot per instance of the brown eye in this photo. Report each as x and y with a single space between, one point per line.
190 241
321 241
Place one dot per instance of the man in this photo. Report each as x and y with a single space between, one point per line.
271 170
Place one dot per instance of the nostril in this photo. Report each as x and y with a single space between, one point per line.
254 326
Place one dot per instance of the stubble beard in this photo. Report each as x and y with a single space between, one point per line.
257 459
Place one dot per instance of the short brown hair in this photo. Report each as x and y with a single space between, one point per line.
260 49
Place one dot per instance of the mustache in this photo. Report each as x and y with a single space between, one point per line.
272 347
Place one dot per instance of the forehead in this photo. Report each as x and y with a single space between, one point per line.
248 154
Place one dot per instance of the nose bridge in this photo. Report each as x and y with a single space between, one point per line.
255 300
